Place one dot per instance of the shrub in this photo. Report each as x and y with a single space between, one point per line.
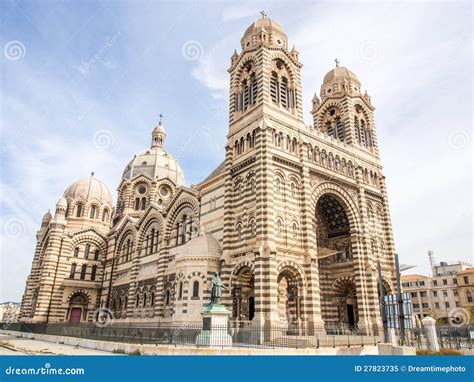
442 351
135 352
119 351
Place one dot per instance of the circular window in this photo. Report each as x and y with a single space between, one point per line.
164 191
141 189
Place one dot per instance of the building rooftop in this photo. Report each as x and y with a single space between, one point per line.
412 277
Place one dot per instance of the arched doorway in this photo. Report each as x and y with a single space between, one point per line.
243 298
345 291
334 241
290 290
77 308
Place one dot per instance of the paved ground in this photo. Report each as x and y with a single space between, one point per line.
11 345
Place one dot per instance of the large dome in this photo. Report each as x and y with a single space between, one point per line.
89 189
155 162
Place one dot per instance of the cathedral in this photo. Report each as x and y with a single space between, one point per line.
295 218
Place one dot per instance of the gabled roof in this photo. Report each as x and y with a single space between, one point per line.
217 171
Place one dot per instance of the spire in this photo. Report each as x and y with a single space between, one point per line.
159 134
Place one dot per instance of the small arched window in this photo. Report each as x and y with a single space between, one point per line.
144 300
168 297
72 272
137 204
196 289
94 272
83 271
96 254
143 203
76 252
87 250
92 212
152 299
137 301
180 290
105 215
79 210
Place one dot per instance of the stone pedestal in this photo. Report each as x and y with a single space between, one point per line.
429 325
214 327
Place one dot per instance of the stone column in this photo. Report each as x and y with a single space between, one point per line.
429 325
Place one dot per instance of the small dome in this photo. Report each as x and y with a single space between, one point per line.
62 202
201 246
339 72
264 24
89 189
47 216
264 31
159 129
155 162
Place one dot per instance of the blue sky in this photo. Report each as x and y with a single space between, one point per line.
83 84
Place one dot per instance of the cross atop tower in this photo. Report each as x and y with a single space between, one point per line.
264 14
337 62
161 118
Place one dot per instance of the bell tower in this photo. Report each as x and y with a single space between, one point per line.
343 113
264 77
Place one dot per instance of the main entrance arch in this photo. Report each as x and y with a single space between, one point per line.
335 236
77 308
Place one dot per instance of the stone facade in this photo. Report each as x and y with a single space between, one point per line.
295 218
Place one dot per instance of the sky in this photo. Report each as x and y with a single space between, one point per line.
83 84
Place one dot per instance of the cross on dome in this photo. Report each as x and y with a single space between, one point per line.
264 14
337 62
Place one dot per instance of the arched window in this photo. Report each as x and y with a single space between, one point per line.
72 272
152 240
279 226
92 212
253 227
105 215
137 301
87 250
284 92
143 203
274 87
94 272
196 289
96 254
180 290
239 230
152 299
295 230
469 296
137 204
76 251
79 210
144 300
168 297
83 271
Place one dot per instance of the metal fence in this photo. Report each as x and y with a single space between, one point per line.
241 334
248 335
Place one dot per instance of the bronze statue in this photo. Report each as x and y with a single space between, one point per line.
216 291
